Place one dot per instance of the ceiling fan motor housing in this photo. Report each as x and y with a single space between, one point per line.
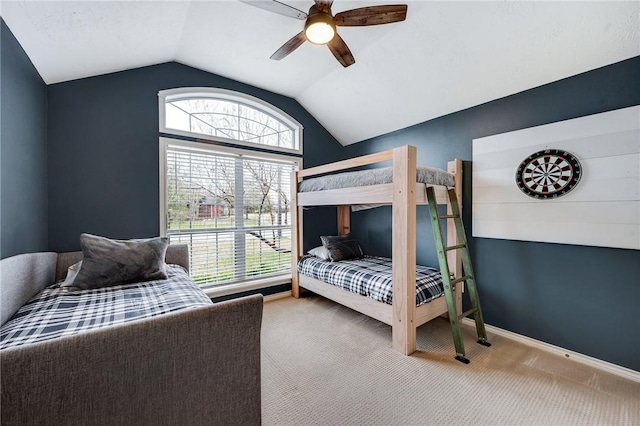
318 18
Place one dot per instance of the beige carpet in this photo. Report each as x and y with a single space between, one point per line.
324 364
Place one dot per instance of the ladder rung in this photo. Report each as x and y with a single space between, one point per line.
464 278
469 312
449 216
459 246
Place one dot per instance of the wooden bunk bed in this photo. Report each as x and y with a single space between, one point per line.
403 194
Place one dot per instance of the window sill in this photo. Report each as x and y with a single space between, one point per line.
225 290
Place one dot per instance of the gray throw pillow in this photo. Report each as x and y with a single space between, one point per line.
342 247
110 262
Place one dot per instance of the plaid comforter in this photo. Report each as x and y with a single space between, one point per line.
57 312
371 276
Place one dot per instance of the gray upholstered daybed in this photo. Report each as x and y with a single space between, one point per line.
197 366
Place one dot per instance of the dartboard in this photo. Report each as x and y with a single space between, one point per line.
548 174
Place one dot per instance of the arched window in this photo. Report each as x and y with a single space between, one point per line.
227 116
227 200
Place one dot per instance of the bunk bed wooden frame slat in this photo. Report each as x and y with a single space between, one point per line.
403 195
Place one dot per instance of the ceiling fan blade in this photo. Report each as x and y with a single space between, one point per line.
277 7
289 46
372 15
341 51
324 5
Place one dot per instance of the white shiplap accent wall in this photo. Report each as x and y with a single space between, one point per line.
602 210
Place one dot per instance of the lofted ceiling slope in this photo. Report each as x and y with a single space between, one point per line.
447 55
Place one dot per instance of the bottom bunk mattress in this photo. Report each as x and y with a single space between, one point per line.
58 311
371 276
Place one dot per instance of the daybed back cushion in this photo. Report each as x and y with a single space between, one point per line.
21 277
108 262
177 254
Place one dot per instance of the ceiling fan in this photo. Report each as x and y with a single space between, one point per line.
320 25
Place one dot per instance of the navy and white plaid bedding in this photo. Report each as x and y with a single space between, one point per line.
56 312
371 276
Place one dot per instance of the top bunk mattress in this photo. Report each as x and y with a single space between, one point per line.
427 175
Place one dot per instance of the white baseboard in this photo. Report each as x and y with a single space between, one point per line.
618 370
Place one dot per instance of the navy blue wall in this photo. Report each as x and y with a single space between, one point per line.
23 151
581 298
104 149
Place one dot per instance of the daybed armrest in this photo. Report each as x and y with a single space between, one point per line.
21 277
195 367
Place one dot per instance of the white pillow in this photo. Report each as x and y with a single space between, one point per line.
72 272
322 252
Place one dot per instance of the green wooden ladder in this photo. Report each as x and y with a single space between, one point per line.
467 276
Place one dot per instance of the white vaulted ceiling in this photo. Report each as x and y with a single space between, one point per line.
447 55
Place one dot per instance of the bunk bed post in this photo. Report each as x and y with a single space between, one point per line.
453 256
344 220
404 249
296 235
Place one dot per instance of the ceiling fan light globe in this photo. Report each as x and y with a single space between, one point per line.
320 33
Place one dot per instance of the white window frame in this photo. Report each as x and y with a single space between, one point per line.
231 288
166 141
229 95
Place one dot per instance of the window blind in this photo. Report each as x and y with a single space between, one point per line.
232 209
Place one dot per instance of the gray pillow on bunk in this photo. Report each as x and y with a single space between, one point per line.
109 262
342 247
